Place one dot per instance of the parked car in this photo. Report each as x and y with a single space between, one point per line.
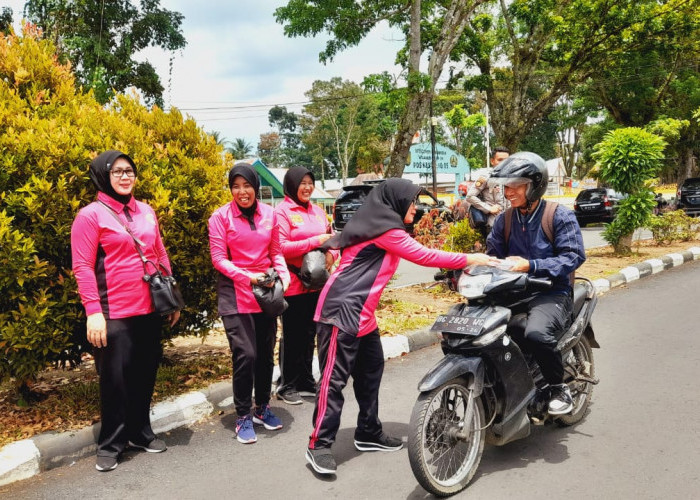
688 196
352 197
596 205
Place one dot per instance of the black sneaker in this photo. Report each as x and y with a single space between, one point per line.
290 397
382 443
308 393
155 446
321 460
105 464
561 402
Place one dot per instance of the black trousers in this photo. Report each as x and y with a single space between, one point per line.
298 343
127 366
548 316
252 340
343 354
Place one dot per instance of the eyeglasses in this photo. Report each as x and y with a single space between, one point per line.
119 173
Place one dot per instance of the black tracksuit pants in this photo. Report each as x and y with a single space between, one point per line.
548 316
298 343
127 366
343 354
251 338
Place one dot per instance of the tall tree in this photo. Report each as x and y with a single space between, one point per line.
338 109
101 38
549 47
349 21
656 78
240 149
5 19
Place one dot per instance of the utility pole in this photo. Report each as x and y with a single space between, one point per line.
433 122
486 139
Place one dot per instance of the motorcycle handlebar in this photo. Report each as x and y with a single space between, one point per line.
541 283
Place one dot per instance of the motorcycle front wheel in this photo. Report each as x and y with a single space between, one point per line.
446 438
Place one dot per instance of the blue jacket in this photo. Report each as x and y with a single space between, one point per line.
528 240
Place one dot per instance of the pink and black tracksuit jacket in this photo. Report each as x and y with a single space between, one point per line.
106 265
240 250
299 229
348 336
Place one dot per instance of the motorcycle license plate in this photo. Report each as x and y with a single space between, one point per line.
458 324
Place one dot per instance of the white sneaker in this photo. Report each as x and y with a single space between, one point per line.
561 402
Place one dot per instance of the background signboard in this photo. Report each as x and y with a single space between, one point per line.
448 161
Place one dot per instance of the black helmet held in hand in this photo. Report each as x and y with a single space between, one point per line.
522 168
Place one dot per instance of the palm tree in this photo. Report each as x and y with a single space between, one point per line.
218 138
239 148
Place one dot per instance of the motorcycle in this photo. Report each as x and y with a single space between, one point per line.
485 388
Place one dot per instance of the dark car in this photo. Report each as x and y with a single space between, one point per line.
688 196
596 205
347 203
352 197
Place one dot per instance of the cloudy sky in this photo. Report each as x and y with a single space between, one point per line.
238 63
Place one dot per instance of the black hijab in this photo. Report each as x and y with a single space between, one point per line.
100 176
292 181
246 171
384 208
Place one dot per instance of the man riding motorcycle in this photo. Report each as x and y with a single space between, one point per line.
525 244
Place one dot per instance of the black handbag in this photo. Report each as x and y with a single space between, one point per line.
312 273
165 291
270 298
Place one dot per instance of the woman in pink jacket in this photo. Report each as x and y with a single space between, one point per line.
372 243
303 227
243 248
121 324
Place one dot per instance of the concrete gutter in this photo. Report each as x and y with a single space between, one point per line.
26 458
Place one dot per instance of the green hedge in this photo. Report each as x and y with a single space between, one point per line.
49 132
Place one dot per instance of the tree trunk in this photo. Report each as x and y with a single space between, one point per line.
414 114
454 21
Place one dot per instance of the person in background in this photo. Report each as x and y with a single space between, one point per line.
373 243
488 199
121 323
243 247
460 209
303 227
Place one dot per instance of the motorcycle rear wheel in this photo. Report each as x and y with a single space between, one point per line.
443 449
581 358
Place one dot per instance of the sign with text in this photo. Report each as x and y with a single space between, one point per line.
420 160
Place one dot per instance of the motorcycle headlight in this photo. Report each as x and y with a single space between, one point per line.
472 287
490 337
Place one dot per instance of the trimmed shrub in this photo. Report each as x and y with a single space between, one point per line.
672 226
49 132
462 238
627 159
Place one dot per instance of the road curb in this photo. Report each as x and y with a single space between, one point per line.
26 458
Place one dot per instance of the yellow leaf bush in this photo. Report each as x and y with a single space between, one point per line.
49 133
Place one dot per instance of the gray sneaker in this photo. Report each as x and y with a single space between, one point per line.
381 443
155 446
290 397
321 460
105 464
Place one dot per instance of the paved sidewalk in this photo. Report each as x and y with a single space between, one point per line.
23 459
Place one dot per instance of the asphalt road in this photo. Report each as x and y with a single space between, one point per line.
639 441
409 273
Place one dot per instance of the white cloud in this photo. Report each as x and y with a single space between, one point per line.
238 61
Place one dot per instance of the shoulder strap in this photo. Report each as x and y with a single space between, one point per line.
138 242
508 221
548 220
